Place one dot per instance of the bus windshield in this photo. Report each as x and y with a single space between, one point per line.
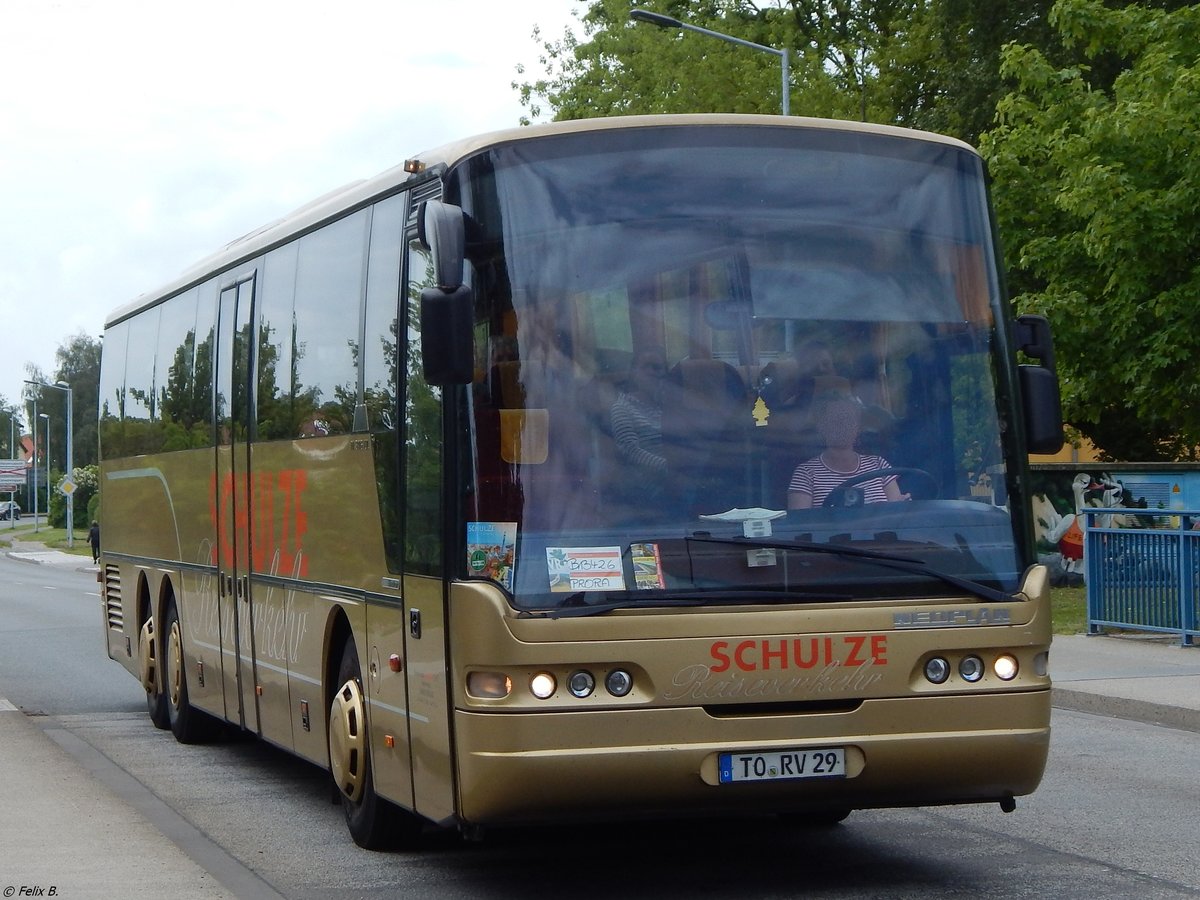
731 364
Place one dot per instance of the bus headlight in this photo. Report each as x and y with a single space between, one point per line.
971 668
619 682
1005 667
581 684
543 685
937 670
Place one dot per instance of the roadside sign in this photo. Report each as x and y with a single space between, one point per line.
12 475
66 486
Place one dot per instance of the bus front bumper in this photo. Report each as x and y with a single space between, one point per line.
524 768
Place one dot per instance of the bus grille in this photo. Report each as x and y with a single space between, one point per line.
112 598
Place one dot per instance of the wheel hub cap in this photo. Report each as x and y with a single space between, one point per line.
348 740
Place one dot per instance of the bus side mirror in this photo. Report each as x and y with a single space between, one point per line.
447 310
1041 404
441 231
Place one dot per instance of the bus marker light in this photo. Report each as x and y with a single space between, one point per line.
581 684
937 670
1005 667
543 685
619 682
394 662
489 685
971 668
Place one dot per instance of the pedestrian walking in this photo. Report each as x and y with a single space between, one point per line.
94 540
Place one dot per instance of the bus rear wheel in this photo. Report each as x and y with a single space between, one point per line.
374 823
151 675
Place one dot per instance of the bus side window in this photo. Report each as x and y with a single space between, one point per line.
329 285
382 356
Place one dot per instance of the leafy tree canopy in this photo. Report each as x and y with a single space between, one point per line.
1098 192
77 363
931 64
619 67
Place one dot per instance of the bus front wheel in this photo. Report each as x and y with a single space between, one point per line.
374 823
188 724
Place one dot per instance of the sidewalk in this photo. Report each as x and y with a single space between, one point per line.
60 825
1150 678
37 553
65 823
61 828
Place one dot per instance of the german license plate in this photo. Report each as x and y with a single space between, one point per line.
782 765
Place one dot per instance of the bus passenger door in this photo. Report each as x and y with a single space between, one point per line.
429 703
234 345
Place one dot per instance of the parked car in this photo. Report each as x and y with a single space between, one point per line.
10 508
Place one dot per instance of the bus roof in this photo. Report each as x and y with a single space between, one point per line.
358 193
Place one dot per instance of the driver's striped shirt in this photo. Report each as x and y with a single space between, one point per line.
817 479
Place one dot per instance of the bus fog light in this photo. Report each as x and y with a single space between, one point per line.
489 685
971 668
1005 667
937 670
619 682
581 684
543 685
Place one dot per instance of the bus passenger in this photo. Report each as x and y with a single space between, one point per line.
838 421
636 414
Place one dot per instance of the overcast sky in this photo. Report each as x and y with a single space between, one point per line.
137 136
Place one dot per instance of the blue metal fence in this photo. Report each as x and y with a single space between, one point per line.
1144 579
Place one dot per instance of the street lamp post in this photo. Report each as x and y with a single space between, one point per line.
653 18
33 427
66 388
63 386
46 416
12 454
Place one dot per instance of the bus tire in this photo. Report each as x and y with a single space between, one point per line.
151 675
374 823
188 724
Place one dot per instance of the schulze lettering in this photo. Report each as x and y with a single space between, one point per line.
765 654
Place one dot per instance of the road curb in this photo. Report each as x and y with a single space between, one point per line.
31 557
1121 708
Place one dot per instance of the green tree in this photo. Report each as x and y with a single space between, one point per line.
932 64
945 70
619 67
1098 192
87 485
77 364
11 428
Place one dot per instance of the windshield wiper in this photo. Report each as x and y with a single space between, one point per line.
591 603
888 560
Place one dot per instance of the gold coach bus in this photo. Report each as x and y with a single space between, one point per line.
488 483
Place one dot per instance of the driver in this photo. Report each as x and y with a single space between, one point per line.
838 420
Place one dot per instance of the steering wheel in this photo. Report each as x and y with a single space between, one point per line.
847 494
